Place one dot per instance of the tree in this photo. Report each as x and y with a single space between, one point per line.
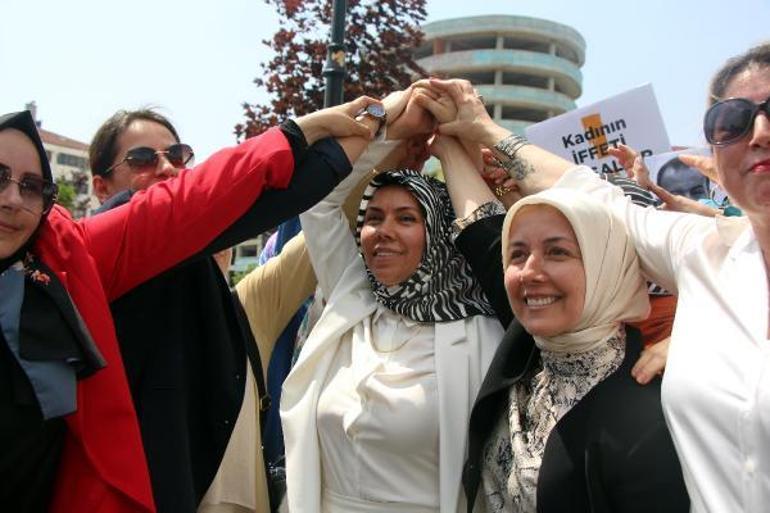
380 36
73 193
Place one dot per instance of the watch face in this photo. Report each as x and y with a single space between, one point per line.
376 110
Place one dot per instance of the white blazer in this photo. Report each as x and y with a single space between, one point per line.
463 351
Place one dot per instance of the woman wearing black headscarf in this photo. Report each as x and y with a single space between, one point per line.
375 411
69 439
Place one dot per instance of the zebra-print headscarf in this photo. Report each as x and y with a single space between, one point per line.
443 287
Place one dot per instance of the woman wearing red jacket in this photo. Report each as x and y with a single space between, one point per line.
69 440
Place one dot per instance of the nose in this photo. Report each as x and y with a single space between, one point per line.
385 228
760 133
165 168
10 197
532 270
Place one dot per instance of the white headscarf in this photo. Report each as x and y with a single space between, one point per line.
615 289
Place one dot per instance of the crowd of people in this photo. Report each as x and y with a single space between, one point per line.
499 341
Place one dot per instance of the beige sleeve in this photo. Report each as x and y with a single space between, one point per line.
273 292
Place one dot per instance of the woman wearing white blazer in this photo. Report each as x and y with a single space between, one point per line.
375 411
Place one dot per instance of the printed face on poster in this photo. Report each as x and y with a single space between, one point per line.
584 135
670 173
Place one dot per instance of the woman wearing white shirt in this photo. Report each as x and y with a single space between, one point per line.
716 390
375 411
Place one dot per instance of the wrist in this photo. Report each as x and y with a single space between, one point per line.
492 134
310 129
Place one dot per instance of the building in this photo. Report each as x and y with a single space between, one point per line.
69 165
527 69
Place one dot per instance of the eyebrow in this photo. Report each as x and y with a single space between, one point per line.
549 240
397 209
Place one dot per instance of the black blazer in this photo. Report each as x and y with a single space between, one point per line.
610 452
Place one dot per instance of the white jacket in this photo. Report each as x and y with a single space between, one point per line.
463 351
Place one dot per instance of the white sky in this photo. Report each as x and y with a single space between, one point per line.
81 60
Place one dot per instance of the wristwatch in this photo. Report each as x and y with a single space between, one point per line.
377 112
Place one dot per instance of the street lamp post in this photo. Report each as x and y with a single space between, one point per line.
334 70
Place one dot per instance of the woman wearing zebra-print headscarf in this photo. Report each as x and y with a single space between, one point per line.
375 411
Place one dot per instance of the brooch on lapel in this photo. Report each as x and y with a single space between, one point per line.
35 275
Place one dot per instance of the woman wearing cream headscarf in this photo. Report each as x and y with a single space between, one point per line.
560 424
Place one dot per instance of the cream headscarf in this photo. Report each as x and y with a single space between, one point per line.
615 289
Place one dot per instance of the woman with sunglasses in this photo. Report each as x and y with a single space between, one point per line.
69 439
715 390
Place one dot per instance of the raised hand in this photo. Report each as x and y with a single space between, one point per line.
411 120
337 121
440 105
472 121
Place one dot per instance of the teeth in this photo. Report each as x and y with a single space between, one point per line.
540 301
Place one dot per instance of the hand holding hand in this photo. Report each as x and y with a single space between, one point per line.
337 121
472 121
440 105
414 120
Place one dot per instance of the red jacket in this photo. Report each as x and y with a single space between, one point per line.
103 468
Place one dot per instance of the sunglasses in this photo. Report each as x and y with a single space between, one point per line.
729 120
142 158
37 195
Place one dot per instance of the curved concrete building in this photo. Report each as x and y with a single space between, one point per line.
527 69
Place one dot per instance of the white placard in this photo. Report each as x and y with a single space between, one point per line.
583 135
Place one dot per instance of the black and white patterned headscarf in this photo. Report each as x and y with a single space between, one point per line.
443 287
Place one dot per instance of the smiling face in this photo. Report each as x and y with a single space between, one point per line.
393 235
140 133
545 279
744 166
17 223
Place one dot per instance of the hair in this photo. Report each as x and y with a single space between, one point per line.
758 56
104 145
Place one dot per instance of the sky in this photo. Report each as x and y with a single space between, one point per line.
81 60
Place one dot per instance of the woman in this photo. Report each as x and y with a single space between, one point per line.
374 412
69 433
184 354
560 424
714 391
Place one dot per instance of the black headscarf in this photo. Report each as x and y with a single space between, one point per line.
443 287
25 123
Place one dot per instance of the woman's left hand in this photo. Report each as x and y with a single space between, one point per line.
652 362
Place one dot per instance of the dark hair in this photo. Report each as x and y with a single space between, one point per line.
757 56
104 145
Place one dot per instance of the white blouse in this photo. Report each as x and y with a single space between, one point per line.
378 415
716 389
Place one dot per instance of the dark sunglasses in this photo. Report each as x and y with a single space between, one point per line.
729 120
139 159
37 195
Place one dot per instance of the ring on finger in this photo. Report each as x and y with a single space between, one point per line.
502 190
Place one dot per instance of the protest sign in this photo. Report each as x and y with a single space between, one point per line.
583 135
